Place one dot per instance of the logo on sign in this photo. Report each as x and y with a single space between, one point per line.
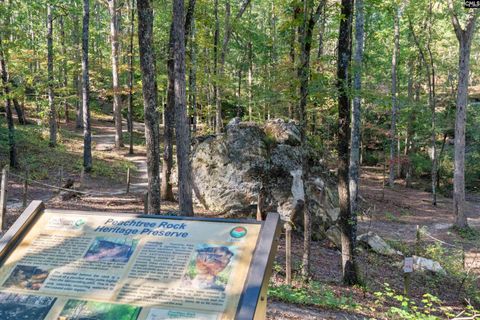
238 232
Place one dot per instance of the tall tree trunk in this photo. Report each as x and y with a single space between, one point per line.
357 100
117 108
430 74
216 37
239 92
130 78
182 129
149 88
321 34
464 36
51 105
250 81
305 38
347 219
18 109
170 109
87 134
8 108
76 75
223 54
409 145
64 67
393 126
168 127
193 78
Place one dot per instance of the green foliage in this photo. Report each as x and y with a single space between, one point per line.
402 307
44 162
313 293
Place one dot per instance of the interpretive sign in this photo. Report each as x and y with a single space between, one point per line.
408 265
59 265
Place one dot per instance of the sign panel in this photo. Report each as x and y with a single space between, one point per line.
78 265
408 265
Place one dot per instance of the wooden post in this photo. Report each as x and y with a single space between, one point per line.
417 240
145 203
128 180
261 203
3 197
288 253
25 189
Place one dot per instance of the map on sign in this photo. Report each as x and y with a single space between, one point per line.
118 267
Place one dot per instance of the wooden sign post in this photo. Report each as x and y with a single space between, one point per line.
61 264
407 270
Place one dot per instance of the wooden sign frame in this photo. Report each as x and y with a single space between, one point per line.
253 299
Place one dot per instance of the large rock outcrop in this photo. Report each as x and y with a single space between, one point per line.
230 169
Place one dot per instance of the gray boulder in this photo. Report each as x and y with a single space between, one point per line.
230 169
424 264
377 244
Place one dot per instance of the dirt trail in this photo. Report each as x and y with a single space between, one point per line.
394 213
104 138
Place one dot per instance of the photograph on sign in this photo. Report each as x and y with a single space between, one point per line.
14 306
120 267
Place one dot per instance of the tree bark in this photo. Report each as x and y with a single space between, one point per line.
147 65
182 129
130 78
347 219
117 108
87 134
357 100
250 81
464 36
8 108
52 112
393 126
170 108
430 74
168 127
305 37
76 75
193 77
18 109
221 71
64 67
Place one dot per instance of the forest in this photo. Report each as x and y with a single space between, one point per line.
358 121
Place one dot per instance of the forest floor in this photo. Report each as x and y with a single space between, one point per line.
393 213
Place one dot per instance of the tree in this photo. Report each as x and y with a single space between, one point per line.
64 66
430 72
117 108
310 17
130 77
464 37
76 75
227 34
347 218
52 119
170 107
357 101
393 126
169 124
8 107
149 88
87 134
182 128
